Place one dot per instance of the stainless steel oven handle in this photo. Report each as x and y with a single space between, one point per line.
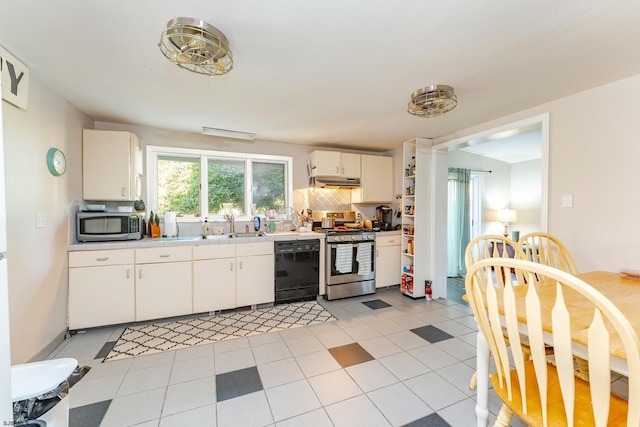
355 245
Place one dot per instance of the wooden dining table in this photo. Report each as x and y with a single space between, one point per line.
622 291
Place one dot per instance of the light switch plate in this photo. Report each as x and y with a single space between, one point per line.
567 200
41 220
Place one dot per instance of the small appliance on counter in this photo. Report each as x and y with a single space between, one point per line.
108 226
384 214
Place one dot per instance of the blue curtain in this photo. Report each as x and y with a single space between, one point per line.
458 221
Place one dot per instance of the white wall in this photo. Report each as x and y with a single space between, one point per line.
593 155
37 256
526 195
300 153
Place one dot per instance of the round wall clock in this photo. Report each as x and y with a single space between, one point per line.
56 161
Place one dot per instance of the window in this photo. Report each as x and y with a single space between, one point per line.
246 183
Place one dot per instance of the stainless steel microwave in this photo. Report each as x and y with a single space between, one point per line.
106 226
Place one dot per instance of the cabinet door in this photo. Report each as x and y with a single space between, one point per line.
350 165
255 280
377 179
101 296
106 165
214 284
387 265
325 163
163 290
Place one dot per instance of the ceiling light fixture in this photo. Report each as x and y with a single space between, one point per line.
223 133
432 101
196 46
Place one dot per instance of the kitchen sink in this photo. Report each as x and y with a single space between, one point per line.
245 235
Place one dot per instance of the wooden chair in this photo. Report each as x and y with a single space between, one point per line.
490 246
546 249
542 394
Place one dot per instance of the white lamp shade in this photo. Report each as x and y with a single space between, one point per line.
507 215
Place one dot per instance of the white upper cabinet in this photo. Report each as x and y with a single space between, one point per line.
111 165
376 183
334 164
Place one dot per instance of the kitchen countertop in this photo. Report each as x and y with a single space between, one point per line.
194 241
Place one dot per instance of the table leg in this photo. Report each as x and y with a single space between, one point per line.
482 390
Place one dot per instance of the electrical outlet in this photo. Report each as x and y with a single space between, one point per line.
41 220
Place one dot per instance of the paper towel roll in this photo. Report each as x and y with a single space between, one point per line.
169 217
170 226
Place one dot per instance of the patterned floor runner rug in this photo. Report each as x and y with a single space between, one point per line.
157 337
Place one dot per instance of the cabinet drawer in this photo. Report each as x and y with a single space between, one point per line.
250 249
392 240
98 258
214 251
166 254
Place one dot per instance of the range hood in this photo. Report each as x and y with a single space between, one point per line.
335 182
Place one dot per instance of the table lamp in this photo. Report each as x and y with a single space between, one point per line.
507 216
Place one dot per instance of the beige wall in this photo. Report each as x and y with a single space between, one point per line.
37 256
593 155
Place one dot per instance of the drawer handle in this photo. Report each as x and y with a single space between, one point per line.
104 258
128 273
140 274
165 256
231 266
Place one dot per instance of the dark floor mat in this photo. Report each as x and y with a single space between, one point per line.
431 333
433 420
376 304
237 383
88 415
106 348
350 354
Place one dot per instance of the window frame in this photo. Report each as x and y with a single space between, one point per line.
153 151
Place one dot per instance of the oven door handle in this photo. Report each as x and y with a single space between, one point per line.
355 245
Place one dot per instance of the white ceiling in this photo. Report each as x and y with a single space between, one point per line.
334 73
513 146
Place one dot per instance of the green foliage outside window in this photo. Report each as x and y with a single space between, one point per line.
179 185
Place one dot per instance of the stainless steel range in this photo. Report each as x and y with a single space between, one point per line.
349 256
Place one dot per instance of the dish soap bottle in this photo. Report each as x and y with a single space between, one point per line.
206 228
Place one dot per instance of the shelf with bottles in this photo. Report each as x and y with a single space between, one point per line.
406 284
410 171
407 269
409 210
408 230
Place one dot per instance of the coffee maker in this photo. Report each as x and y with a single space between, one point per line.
384 214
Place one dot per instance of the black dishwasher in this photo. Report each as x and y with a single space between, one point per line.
297 270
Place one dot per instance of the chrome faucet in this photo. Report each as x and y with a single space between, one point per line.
232 223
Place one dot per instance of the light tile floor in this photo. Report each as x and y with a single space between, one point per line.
410 381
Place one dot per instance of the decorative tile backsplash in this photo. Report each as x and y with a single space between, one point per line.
323 199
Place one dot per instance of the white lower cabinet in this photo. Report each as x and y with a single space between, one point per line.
101 288
163 282
229 276
125 285
387 260
255 279
214 278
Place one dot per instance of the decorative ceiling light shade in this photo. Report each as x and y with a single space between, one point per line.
432 101
196 46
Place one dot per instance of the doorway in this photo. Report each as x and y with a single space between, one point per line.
509 168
